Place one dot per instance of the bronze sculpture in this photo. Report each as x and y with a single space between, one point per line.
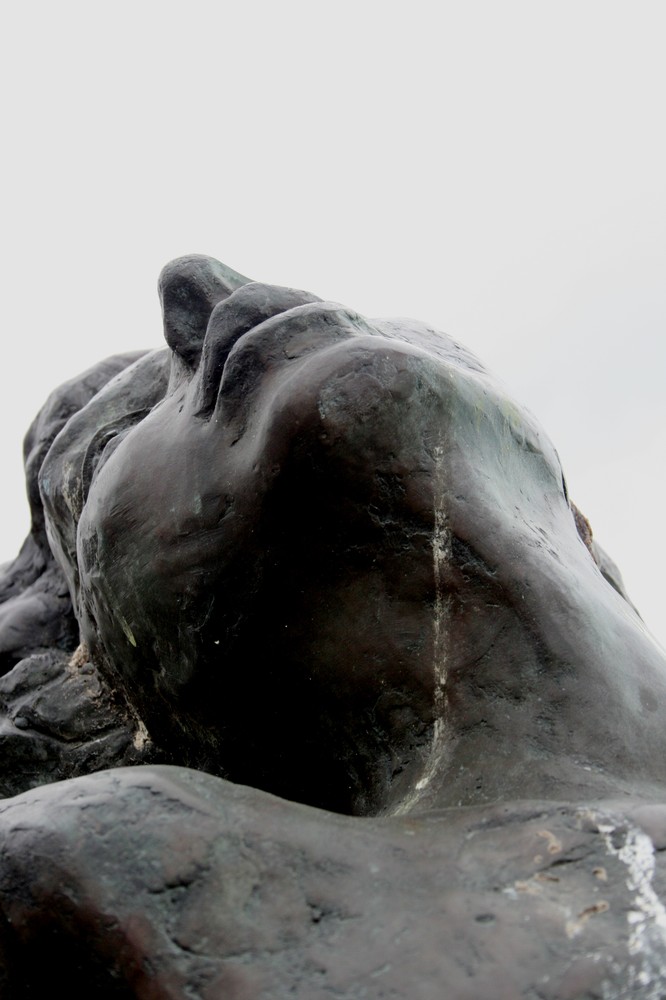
326 558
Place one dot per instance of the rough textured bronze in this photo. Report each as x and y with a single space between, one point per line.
166 882
328 558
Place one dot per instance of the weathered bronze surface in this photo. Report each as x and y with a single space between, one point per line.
377 717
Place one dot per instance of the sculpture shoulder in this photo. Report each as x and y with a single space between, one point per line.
562 899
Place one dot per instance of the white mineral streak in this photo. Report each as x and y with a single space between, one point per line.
141 737
646 970
441 557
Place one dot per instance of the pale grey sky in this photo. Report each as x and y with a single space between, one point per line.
495 168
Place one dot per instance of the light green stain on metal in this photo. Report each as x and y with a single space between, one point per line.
127 630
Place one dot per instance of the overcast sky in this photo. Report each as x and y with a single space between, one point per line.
495 168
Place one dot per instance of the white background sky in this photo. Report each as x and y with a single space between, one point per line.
497 168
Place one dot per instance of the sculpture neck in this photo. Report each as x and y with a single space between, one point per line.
555 694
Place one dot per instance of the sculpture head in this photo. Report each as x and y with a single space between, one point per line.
331 558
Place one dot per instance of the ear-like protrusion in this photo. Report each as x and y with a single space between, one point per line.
190 288
231 319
